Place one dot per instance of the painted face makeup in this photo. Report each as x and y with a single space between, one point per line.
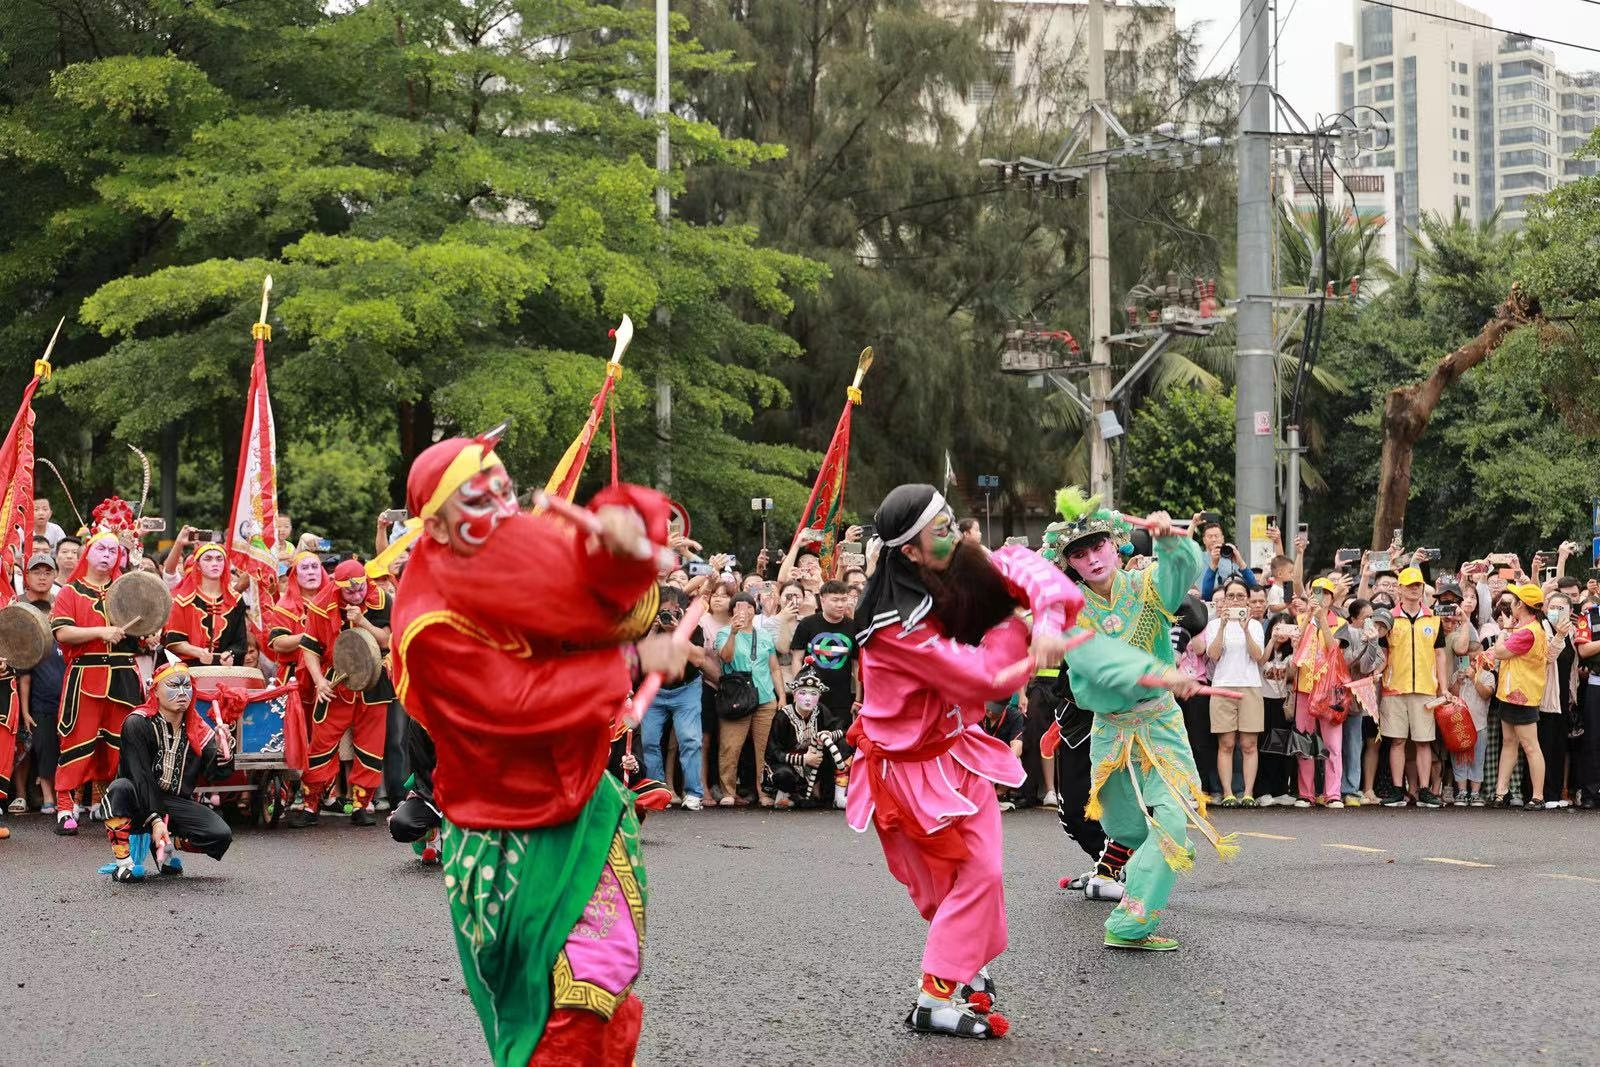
354 593
806 699
212 563
1094 564
942 536
309 573
102 554
482 502
177 690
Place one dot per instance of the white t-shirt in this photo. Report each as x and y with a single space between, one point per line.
1235 668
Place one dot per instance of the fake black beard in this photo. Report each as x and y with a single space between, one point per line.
969 597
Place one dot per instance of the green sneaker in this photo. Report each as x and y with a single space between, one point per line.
1143 944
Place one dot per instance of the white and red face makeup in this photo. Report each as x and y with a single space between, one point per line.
354 593
481 503
308 572
212 563
1094 564
102 554
806 699
176 691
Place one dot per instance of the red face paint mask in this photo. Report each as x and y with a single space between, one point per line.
485 499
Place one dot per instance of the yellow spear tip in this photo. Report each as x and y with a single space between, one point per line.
267 285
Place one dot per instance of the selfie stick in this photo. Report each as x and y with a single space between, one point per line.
652 682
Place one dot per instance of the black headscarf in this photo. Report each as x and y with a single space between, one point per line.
895 594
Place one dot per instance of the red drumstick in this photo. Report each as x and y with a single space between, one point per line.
1145 524
589 521
1024 668
1153 681
652 682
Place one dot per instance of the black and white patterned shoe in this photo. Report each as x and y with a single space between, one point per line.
981 994
954 1017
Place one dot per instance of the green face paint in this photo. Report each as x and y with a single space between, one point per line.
943 546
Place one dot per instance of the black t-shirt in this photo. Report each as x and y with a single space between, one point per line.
832 649
1004 722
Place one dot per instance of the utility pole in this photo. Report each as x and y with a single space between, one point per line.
1099 264
663 210
1254 419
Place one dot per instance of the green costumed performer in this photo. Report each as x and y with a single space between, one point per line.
1145 791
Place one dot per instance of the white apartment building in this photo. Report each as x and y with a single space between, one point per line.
1479 119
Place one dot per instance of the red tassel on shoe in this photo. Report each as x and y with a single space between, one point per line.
999 1025
982 1002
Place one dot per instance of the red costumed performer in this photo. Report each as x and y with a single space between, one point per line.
515 635
357 605
102 682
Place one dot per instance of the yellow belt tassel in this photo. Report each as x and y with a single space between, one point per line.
1228 847
1179 857
1102 774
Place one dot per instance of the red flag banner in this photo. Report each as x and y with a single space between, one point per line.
564 479
253 520
826 506
16 475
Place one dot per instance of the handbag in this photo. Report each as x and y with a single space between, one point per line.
1277 743
1304 744
736 692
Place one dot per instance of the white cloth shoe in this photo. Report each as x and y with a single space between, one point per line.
1051 800
839 797
1099 887
693 803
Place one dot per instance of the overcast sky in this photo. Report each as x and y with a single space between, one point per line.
1305 44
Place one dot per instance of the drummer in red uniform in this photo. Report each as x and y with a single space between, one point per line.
514 638
102 682
359 605
207 624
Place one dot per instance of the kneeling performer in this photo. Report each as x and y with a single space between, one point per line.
167 751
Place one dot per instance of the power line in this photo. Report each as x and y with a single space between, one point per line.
1481 26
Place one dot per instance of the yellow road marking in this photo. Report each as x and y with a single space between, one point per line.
1455 863
1353 848
1569 877
1265 837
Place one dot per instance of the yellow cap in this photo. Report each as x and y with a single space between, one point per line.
1530 594
1327 584
1411 576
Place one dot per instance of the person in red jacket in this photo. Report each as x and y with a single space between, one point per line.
102 683
517 640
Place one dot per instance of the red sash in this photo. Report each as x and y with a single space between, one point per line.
890 813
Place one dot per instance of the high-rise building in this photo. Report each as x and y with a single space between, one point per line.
1479 119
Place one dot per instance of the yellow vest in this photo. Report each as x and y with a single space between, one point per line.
1522 679
1305 677
1412 666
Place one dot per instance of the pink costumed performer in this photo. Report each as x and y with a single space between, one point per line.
940 636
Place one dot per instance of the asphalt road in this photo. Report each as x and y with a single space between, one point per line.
1338 937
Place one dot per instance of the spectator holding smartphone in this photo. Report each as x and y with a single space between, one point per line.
1222 562
1411 680
1524 669
1236 646
745 647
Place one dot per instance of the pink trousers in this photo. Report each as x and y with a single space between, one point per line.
1332 739
964 901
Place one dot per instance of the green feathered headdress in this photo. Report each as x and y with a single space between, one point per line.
1082 517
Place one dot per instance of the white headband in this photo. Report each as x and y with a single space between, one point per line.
929 513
